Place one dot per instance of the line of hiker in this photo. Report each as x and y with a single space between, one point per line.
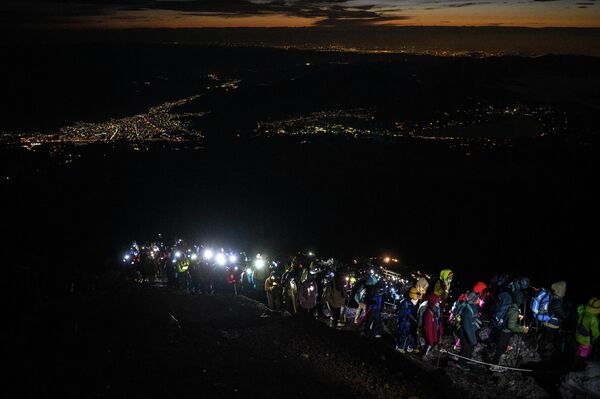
492 313
420 312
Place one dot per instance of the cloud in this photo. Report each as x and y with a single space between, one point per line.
440 6
466 4
325 12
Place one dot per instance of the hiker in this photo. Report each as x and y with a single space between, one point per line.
455 317
407 322
442 286
421 285
183 275
273 290
516 288
586 333
359 297
432 323
469 324
511 326
558 312
481 289
335 298
374 302
308 294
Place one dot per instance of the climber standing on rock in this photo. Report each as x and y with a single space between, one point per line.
335 298
374 302
421 285
407 322
432 323
442 286
587 331
558 311
469 324
511 326
273 290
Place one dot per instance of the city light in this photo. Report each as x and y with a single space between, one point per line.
232 258
208 254
177 254
194 257
259 263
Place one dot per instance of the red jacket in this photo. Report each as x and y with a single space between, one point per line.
432 322
231 278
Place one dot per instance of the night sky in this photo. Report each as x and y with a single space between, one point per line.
117 14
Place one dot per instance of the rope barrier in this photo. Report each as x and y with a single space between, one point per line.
484 363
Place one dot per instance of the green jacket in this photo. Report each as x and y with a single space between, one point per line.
512 320
586 323
442 286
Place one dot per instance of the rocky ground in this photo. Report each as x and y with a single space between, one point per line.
144 341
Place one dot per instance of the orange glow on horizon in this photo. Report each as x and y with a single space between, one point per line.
528 17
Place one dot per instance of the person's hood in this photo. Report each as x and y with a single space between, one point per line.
444 274
422 283
413 293
433 300
479 287
472 297
593 306
559 288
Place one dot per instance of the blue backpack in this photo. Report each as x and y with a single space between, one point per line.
539 305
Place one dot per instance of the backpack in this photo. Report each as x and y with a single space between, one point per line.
421 312
357 293
520 284
500 309
539 305
456 311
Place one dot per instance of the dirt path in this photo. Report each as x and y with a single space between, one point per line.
146 342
